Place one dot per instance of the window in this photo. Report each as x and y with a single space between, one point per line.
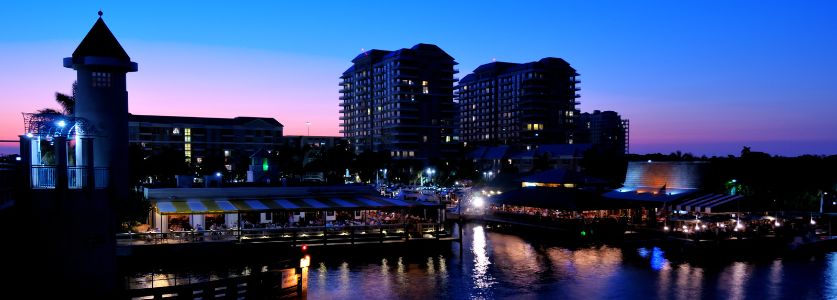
101 79
424 88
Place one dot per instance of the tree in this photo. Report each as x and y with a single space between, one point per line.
67 102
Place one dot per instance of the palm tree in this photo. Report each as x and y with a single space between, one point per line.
48 111
67 102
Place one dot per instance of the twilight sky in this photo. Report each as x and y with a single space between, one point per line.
706 77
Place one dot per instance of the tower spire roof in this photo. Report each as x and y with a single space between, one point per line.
100 42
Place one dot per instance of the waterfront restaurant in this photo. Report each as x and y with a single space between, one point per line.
553 195
195 209
670 192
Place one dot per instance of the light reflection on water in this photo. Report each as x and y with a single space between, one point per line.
503 266
831 276
482 280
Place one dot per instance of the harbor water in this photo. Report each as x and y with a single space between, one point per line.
502 265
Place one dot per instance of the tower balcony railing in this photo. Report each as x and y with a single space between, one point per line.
44 177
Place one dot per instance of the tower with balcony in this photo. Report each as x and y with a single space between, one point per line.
101 65
77 169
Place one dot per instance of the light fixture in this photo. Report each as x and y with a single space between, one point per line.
478 202
61 123
29 135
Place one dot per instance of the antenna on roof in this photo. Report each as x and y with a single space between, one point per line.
100 13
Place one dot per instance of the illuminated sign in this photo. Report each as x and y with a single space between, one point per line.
289 278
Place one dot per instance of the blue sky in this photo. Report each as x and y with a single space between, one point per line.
706 77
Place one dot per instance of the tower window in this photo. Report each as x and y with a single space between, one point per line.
101 79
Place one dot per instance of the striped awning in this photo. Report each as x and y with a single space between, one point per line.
207 206
706 203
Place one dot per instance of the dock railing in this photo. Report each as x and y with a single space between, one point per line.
293 235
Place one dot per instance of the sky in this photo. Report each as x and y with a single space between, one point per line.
705 77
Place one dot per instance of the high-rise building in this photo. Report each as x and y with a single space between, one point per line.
400 102
604 128
518 104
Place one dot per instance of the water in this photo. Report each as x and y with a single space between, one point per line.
501 266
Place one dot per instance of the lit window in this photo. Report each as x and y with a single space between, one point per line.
424 88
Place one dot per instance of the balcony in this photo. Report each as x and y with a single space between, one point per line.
44 177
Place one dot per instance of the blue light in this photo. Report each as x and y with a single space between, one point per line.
61 123
218 174
658 260
29 135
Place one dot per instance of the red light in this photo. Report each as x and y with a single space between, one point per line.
304 247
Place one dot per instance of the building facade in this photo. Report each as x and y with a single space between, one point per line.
200 139
504 103
604 128
400 102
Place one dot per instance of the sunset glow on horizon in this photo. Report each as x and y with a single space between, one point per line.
700 78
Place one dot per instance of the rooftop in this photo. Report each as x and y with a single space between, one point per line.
100 42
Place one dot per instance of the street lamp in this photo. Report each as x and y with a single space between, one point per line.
822 197
308 127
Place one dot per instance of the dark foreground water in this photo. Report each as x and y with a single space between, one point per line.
501 266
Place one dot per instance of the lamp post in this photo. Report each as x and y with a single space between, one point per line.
308 127
822 198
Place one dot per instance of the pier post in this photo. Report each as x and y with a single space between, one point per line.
461 239
61 170
87 154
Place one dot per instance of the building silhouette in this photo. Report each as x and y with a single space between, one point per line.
201 139
400 102
604 128
503 103
75 170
